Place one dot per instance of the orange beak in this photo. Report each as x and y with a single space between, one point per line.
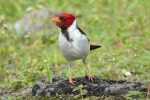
56 20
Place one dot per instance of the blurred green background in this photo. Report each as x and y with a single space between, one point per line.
121 27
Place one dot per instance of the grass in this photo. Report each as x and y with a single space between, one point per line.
120 26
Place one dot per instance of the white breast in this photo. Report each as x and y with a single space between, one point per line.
76 49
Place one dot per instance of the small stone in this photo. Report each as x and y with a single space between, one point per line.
51 89
40 92
40 85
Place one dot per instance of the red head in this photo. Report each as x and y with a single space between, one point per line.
64 20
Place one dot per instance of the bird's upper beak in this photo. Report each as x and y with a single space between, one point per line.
56 20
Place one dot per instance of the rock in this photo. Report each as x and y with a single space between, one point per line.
36 22
99 87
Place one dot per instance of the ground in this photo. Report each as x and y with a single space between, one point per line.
121 27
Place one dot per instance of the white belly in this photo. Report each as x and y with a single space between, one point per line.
77 49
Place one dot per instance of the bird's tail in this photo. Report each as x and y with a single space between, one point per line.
93 47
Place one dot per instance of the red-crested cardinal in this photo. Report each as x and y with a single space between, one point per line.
73 42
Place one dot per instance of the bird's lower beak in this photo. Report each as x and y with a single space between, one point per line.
56 20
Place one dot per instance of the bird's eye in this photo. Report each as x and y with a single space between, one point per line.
62 19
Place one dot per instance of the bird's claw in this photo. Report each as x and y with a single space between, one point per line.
71 81
90 77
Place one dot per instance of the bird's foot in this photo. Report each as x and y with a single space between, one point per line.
71 81
90 77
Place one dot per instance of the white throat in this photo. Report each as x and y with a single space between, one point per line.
73 26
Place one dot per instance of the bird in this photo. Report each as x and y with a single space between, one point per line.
73 42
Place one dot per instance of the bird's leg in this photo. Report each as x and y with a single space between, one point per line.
90 77
71 81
